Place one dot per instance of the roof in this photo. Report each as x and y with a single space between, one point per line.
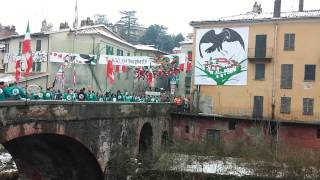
96 29
263 17
145 47
176 49
187 41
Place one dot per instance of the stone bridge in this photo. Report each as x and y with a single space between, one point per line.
73 140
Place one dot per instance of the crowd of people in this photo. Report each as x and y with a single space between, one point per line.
14 92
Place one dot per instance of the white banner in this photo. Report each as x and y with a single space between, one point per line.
135 61
151 93
221 56
38 56
72 58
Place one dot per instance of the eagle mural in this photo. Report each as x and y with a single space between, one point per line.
221 56
227 35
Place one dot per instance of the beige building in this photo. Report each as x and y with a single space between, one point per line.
85 40
282 68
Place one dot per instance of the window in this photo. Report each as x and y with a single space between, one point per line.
187 129
38 45
286 76
289 42
309 72
5 66
261 46
257 107
119 52
109 50
213 136
318 133
20 47
260 69
285 105
232 125
6 47
36 66
128 54
308 106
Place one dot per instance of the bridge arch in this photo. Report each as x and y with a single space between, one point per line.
145 139
53 156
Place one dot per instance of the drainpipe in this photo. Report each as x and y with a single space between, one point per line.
274 70
274 82
198 98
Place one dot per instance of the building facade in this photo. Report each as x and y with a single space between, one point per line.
184 86
282 60
85 40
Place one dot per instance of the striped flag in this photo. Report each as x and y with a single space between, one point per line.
18 69
26 51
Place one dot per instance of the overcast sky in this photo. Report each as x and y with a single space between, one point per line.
174 14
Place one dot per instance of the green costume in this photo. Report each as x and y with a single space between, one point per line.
48 96
2 95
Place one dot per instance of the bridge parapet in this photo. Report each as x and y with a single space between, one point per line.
24 111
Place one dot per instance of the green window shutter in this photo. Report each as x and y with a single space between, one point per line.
38 45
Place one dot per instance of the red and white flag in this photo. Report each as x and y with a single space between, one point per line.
109 72
26 52
18 70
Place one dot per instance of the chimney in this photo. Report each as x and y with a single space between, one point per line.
300 5
277 8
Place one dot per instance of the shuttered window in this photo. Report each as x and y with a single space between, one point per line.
289 40
260 70
213 136
257 107
20 47
38 45
119 52
109 50
309 72
286 76
285 105
308 106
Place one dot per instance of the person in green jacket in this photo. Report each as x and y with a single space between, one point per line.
2 95
13 92
48 95
67 96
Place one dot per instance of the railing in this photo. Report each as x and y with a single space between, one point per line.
260 53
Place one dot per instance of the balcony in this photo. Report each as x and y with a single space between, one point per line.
256 55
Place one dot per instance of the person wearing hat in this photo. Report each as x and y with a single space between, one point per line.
48 95
2 95
67 95
13 92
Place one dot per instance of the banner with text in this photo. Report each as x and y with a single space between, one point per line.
135 61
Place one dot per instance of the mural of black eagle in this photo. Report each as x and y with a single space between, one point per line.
227 35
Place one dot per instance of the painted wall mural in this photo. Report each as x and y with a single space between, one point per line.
221 56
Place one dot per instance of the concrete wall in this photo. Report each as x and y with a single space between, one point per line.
295 135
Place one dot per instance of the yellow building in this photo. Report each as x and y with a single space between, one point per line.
281 68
